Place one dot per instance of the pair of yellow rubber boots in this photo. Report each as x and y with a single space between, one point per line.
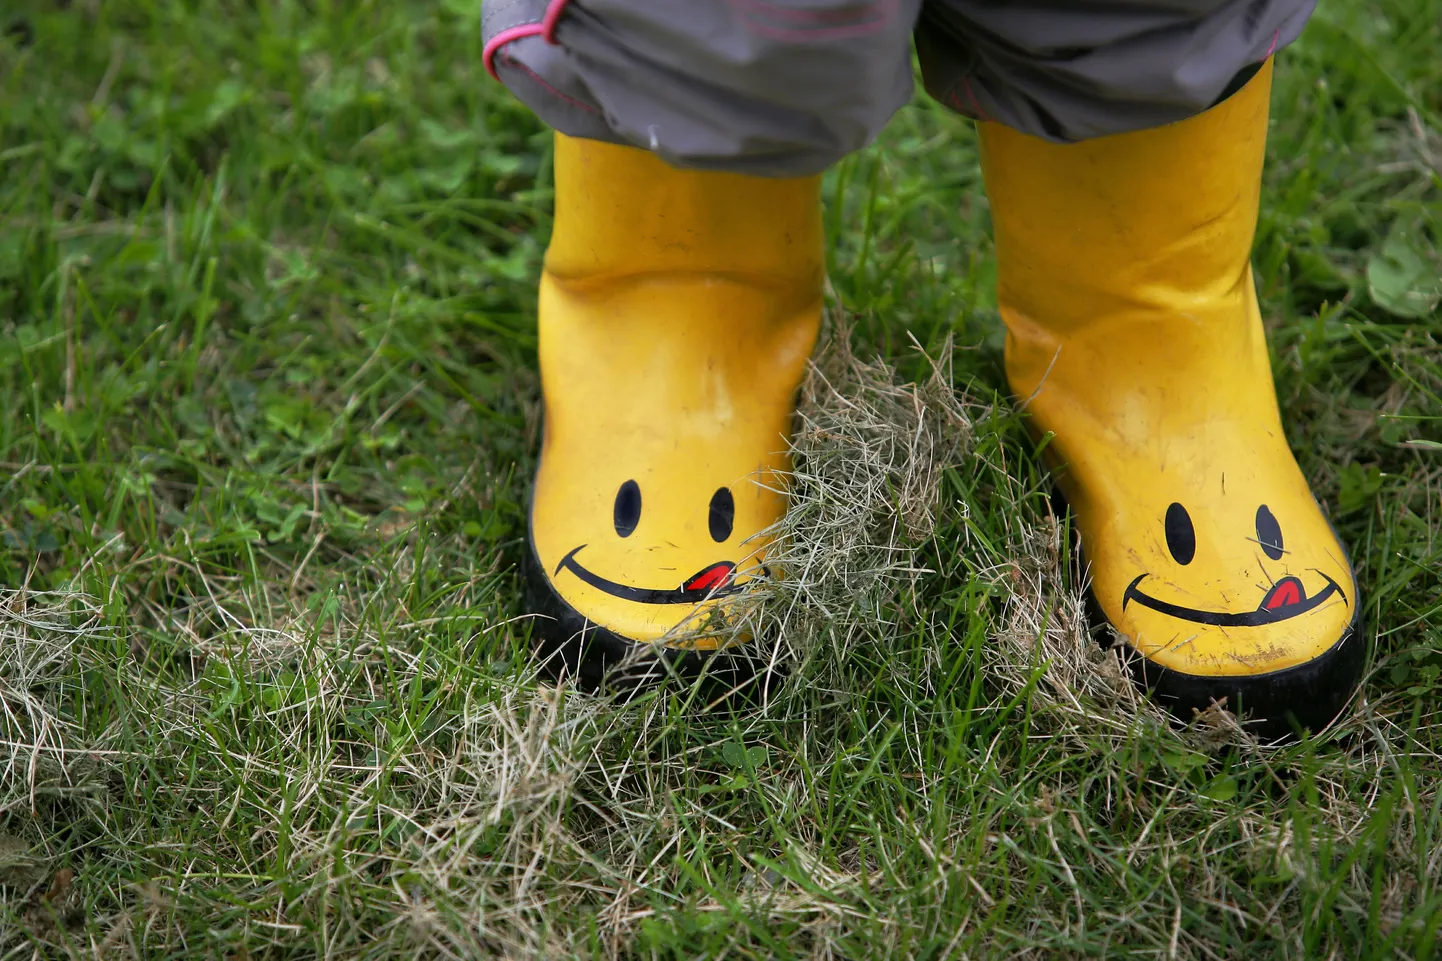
678 309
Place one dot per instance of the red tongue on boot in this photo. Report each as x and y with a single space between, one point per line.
1285 592
712 577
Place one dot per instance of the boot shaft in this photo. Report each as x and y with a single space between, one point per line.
621 212
1124 276
1161 217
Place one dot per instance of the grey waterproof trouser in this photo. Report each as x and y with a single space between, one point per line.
787 87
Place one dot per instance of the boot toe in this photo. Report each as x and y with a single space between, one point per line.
1268 630
571 646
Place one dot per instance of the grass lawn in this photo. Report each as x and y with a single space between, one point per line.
268 413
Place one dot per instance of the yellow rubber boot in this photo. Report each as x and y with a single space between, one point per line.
677 311
1134 335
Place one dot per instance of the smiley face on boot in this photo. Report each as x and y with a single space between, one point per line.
714 580
642 557
1233 593
1285 598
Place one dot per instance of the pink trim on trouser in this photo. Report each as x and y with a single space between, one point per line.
546 30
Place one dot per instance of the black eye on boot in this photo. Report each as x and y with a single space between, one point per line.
627 512
1269 533
722 514
1181 535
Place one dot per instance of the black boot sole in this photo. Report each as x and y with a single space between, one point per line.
1275 706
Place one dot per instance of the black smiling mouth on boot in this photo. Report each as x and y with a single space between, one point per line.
1287 599
718 580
